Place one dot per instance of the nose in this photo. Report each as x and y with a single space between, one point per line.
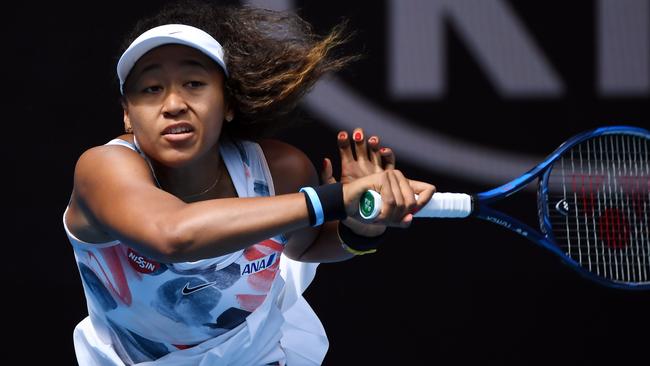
174 103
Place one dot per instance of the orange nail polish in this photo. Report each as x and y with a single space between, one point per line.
343 135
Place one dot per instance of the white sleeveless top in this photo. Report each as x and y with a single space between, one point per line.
144 310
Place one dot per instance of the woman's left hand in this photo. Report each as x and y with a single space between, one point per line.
359 157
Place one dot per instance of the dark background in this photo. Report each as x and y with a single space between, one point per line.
445 292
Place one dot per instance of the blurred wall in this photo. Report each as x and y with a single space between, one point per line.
469 93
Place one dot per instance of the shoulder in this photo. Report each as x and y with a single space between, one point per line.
290 167
109 162
106 167
100 154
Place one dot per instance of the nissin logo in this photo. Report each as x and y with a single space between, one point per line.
505 50
142 264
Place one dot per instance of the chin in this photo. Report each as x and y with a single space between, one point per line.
178 159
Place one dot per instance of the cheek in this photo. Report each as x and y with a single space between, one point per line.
213 117
140 117
213 126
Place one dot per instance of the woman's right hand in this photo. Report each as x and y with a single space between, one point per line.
397 193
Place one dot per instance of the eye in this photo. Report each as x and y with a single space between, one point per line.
195 84
152 89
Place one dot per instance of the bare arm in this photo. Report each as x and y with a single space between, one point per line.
369 160
123 200
291 170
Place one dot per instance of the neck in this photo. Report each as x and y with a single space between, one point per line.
195 180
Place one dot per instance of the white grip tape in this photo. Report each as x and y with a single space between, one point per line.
447 205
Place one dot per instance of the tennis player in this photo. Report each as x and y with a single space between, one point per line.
194 233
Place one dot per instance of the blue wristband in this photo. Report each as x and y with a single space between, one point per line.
316 204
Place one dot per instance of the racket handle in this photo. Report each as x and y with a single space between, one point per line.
441 205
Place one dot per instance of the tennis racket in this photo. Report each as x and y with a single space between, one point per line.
593 203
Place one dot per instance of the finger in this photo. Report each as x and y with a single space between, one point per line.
345 150
326 174
388 156
373 151
360 147
407 220
424 191
398 210
409 196
407 199
388 200
421 187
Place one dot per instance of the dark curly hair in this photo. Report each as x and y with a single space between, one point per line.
273 58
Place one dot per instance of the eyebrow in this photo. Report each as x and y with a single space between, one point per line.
188 62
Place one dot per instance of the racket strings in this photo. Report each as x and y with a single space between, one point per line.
599 203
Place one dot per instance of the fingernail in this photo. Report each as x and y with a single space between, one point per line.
383 149
324 163
357 136
372 140
343 135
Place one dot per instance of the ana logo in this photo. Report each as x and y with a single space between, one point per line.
142 264
258 265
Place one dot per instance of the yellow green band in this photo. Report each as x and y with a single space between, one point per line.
357 252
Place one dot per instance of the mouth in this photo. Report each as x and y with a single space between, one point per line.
178 133
178 129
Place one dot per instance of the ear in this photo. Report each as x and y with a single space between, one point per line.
229 113
127 120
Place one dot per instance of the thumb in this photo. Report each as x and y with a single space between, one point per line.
424 191
326 174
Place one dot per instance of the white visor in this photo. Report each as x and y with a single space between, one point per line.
168 34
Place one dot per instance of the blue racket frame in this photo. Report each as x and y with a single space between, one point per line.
545 238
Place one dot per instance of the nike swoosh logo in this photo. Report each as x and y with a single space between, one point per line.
187 290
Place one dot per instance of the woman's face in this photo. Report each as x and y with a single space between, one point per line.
174 102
